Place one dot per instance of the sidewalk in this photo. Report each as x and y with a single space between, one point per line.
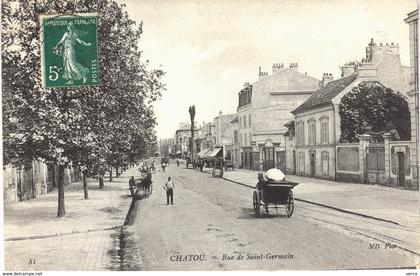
400 206
80 240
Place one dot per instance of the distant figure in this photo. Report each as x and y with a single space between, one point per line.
147 183
163 166
169 187
101 181
177 162
131 184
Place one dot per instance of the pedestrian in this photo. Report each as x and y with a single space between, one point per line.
177 162
169 187
131 184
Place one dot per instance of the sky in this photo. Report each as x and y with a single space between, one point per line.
209 48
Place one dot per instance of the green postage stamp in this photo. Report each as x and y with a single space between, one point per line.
69 50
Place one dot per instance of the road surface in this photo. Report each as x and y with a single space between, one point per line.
212 226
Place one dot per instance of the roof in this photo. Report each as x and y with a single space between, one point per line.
324 95
214 152
203 152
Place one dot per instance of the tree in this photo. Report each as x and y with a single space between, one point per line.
371 108
90 126
191 110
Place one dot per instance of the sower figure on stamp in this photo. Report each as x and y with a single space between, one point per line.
72 69
169 187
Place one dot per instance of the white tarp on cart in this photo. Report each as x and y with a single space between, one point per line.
275 174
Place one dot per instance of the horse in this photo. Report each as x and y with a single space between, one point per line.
146 183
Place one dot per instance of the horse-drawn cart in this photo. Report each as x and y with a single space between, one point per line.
217 170
278 193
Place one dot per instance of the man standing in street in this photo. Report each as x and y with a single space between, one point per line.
169 188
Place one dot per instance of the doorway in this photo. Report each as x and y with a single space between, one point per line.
312 164
401 169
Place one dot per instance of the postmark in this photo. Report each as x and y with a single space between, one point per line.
69 46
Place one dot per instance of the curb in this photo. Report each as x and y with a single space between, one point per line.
60 234
323 205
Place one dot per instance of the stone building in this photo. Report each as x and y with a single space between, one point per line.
318 125
289 141
263 110
182 139
205 140
224 133
234 149
413 93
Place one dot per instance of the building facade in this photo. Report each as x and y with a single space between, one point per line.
182 139
205 139
224 133
263 110
413 93
319 152
36 179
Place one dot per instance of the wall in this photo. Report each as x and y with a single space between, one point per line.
36 180
402 147
349 166
412 21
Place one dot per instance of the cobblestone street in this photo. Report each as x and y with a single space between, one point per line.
214 218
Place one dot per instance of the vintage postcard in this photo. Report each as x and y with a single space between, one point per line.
198 135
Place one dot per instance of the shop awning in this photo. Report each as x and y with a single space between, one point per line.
203 152
214 152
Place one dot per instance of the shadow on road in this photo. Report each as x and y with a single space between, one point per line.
248 213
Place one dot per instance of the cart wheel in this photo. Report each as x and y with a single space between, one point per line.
290 205
256 203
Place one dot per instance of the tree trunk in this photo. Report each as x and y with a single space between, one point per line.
116 171
85 187
110 174
61 207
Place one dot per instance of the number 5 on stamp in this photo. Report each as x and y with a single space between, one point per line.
69 45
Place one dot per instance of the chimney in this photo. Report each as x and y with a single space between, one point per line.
294 66
261 74
326 78
277 67
348 69
366 69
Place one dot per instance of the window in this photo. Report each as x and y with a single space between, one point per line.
249 120
244 121
250 138
311 132
301 163
241 143
324 130
300 134
245 139
240 121
235 137
325 162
